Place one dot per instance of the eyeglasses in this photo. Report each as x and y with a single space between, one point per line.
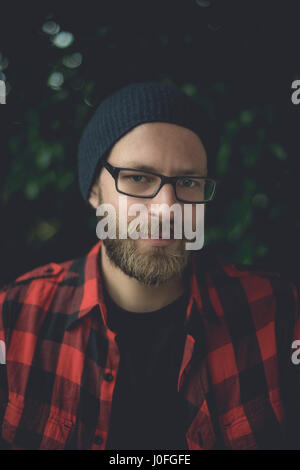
146 184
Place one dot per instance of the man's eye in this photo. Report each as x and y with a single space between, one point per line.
135 178
138 178
187 182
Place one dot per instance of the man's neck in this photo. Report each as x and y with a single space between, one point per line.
131 294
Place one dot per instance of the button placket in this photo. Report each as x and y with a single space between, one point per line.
98 440
108 377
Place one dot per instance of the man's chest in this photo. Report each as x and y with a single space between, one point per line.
65 394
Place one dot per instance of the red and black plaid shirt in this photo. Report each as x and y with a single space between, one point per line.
236 374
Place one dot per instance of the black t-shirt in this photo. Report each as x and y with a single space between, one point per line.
147 410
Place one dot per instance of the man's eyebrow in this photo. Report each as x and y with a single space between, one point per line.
142 166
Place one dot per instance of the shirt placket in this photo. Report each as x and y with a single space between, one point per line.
106 391
193 380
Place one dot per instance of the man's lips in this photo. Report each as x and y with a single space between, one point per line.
158 241
160 237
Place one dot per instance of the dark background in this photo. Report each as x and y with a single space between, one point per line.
238 58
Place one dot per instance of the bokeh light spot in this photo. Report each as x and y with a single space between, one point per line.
63 39
190 89
203 3
260 200
31 190
56 80
51 28
3 62
278 151
72 61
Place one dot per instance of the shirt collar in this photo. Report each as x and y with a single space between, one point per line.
84 274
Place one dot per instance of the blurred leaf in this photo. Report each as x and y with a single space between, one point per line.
44 230
43 159
31 190
247 116
223 158
250 154
260 200
278 151
245 251
65 180
190 89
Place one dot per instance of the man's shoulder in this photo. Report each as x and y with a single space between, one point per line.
237 282
223 267
52 272
73 267
257 275
48 280
260 281
246 274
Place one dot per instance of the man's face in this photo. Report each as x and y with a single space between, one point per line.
166 149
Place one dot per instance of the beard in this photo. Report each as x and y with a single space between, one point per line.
150 265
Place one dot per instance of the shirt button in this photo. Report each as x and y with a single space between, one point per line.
109 377
98 440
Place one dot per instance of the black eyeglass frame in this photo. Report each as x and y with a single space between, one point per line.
114 171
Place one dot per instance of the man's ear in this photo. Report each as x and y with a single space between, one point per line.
94 196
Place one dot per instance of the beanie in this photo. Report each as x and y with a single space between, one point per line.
128 107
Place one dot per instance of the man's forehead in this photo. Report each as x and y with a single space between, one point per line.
170 164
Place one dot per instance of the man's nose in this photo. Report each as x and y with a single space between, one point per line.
166 195
164 199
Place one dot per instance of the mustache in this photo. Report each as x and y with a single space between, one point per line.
157 230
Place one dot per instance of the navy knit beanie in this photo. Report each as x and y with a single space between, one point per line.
128 107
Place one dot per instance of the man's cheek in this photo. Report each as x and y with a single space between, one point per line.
189 217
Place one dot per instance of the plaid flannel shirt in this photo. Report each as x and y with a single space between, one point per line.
59 360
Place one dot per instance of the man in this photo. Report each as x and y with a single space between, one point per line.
143 344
